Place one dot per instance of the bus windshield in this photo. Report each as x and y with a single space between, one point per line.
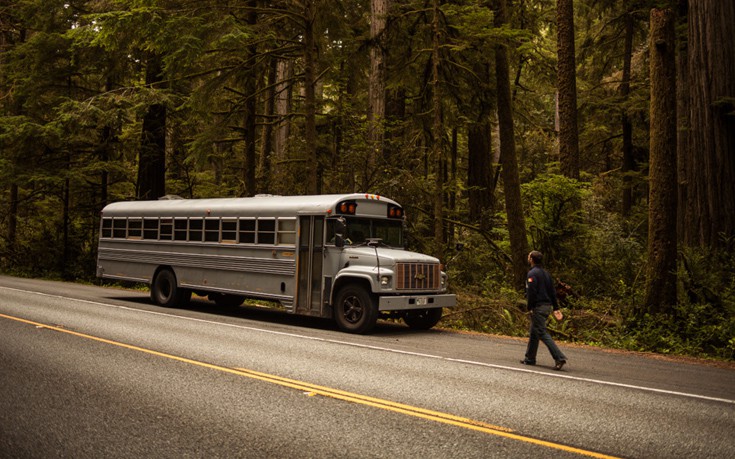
359 230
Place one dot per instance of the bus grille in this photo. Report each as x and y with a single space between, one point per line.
418 276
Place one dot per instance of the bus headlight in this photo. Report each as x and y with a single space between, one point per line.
385 281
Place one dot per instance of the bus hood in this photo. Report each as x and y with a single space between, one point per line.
388 256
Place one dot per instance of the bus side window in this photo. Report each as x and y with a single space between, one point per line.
106 227
180 229
119 228
211 229
135 228
150 228
247 231
229 231
195 229
266 231
167 229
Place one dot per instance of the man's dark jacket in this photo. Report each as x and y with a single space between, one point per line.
540 288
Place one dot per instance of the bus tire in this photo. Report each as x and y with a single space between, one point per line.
355 310
422 319
166 292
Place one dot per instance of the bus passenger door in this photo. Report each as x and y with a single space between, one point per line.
310 263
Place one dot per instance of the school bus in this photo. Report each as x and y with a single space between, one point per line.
337 256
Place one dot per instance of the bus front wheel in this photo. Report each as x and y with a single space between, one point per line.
422 319
165 291
355 310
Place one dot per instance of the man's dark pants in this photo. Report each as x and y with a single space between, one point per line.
539 316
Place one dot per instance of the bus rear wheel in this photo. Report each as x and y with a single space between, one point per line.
355 310
422 319
166 292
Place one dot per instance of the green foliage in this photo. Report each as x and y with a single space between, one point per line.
703 321
478 268
601 256
554 217
613 251
499 314
693 329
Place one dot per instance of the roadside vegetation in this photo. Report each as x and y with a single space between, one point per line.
599 261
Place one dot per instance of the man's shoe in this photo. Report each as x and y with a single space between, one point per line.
559 364
526 362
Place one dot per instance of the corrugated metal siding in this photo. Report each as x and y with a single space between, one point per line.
192 260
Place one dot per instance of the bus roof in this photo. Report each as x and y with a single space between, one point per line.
261 206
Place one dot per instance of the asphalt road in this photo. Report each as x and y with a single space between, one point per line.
99 372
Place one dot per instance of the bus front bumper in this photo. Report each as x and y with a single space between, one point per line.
405 302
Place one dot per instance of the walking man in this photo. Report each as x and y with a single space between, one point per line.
541 297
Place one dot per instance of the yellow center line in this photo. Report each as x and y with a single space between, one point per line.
314 389
367 400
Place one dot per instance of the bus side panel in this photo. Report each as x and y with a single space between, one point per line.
252 272
259 272
115 262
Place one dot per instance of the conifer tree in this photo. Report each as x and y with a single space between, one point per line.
661 272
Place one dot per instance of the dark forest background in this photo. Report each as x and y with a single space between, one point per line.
600 132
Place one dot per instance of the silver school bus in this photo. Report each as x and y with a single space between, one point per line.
339 256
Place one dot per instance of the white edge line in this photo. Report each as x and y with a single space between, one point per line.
385 349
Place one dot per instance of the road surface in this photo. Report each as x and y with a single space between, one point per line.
96 372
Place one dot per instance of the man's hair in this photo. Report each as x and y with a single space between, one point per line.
537 257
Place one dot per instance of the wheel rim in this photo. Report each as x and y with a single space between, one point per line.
352 309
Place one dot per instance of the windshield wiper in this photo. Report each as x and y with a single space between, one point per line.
375 242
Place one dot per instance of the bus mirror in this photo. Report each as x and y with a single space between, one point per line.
340 227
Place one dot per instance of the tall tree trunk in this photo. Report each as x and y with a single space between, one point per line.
376 88
65 223
152 158
511 180
266 151
312 185
684 218
250 163
104 153
438 134
451 202
567 87
661 268
15 108
395 114
12 217
480 172
711 169
627 125
283 107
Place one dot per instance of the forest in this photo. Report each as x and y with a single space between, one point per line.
600 132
